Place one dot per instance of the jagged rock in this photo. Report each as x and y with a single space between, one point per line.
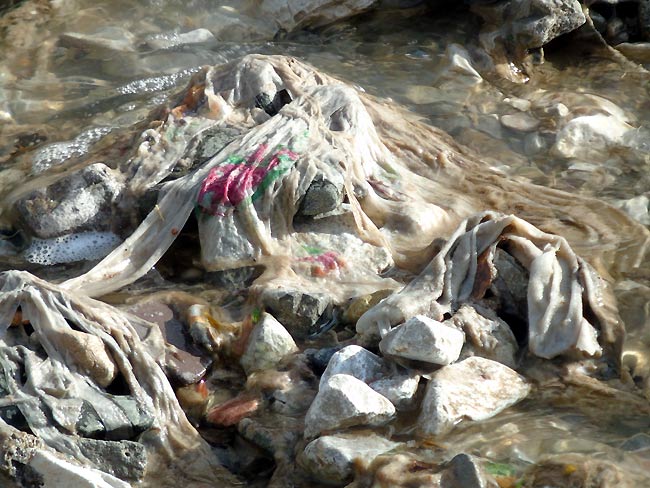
125 459
463 472
355 361
81 201
139 419
473 389
332 458
344 401
298 311
268 344
490 338
423 339
400 389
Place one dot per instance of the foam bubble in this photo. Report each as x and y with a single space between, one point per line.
84 246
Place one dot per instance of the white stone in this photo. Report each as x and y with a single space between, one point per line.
268 344
589 137
58 473
521 122
490 338
400 389
345 401
334 457
355 361
423 339
473 389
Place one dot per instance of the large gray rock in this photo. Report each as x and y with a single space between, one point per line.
473 389
344 401
298 311
332 458
463 471
355 361
125 459
81 201
323 195
423 339
268 344
490 338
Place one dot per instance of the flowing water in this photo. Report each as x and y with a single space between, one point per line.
62 87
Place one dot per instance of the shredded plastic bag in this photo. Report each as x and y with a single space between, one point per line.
64 352
567 302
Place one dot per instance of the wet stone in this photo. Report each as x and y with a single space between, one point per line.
332 458
269 342
318 359
355 361
463 472
521 122
322 196
89 424
344 401
139 419
423 339
473 389
184 365
124 459
299 312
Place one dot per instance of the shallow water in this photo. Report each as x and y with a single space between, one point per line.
59 87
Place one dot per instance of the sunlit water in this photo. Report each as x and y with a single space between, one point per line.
58 89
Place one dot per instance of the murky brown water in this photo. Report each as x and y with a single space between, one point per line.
58 88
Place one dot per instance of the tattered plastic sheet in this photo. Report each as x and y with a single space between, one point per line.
406 183
568 304
67 360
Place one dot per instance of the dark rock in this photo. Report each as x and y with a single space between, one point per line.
212 141
463 472
79 202
319 358
322 196
89 423
298 311
125 459
184 364
234 279
14 417
139 419
272 107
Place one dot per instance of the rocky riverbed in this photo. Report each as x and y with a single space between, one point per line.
324 243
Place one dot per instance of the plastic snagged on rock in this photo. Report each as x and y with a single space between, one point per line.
71 384
563 290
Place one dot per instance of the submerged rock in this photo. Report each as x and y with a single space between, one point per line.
590 137
344 401
332 459
473 389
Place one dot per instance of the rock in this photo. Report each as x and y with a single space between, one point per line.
344 401
318 359
332 458
636 51
534 144
232 411
140 420
268 343
473 389
89 424
81 201
423 339
528 24
637 208
638 442
171 40
57 472
521 122
212 141
298 311
463 472
590 137
490 338
400 389
184 364
125 459
355 361
109 40
275 434
360 305
323 195
90 355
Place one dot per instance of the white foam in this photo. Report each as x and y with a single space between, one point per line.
84 246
